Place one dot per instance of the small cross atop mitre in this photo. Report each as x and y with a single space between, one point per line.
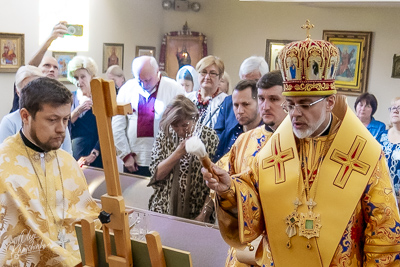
308 26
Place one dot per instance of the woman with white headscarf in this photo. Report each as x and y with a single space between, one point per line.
187 76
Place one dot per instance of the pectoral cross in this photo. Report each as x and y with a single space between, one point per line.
308 26
61 239
310 222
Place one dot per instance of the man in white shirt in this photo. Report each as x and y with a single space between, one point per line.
149 94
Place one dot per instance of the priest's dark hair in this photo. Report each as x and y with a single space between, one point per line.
270 79
43 91
244 84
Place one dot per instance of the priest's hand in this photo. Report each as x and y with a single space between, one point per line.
222 184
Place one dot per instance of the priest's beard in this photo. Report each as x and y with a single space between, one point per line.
301 134
51 144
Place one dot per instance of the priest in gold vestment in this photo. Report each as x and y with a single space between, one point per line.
248 144
43 192
319 190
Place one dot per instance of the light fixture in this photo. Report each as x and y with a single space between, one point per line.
181 5
195 6
166 4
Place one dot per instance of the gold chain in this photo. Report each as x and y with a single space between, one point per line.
316 165
295 219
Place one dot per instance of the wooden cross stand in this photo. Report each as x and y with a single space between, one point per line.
114 215
113 205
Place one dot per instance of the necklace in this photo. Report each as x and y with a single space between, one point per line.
202 104
61 236
309 223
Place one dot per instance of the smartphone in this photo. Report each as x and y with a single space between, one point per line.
74 29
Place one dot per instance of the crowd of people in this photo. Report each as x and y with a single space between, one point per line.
296 173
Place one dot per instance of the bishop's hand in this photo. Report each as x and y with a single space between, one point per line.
222 184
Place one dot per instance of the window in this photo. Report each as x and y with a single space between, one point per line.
72 11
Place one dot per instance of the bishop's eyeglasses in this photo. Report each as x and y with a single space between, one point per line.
288 108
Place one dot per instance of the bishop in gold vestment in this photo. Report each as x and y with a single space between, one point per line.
241 156
357 229
322 199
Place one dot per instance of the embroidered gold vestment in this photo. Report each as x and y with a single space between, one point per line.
35 207
238 160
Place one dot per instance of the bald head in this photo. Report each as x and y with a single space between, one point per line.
145 70
49 67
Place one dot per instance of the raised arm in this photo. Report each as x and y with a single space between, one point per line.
58 31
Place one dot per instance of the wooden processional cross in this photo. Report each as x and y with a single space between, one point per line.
114 215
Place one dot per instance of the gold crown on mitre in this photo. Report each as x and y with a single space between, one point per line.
309 67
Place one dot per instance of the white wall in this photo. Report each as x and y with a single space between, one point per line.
235 30
111 21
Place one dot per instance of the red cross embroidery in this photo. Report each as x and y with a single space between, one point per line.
350 162
277 159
